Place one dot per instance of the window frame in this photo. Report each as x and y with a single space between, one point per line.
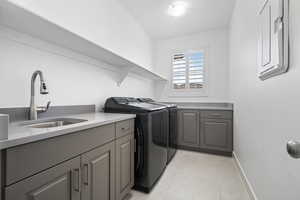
188 92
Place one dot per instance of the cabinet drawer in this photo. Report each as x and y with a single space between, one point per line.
218 114
124 128
25 160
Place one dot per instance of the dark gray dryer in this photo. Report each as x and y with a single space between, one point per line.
173 129
151 135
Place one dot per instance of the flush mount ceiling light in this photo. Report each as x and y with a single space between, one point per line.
177 8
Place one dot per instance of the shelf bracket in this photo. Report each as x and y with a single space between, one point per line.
122 75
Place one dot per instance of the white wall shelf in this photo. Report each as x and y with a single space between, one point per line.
24 21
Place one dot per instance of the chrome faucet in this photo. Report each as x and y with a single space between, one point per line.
43 90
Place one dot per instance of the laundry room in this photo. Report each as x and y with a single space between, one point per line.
149 100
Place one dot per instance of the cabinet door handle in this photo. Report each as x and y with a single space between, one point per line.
86 174
76 179
124 129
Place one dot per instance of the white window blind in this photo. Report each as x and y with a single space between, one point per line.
188 71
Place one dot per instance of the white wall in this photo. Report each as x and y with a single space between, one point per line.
266 112
72 78
104 22
216 42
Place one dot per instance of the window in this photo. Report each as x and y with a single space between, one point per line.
188 71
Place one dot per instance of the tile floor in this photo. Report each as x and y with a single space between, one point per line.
197 176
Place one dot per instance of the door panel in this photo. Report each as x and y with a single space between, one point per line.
124 166
173 133
54 190
189 128
61 182
100 177
216 134
99 173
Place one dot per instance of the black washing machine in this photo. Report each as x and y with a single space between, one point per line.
151 135
173 125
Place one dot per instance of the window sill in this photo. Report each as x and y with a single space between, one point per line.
187 94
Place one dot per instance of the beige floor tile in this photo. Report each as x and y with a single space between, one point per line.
197 176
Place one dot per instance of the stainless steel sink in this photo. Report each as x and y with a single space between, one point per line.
50 123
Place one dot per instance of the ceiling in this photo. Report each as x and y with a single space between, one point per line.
201 15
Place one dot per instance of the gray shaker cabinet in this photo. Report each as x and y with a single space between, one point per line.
206 130
188 126
124 166
77 166
216 134
98 173
60 182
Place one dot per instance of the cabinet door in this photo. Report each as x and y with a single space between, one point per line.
98 168
189 128
216 134
61 182
124 166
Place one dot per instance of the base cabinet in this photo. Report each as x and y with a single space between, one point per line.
61 182
98 165
216 134
89 177
125 166
98 173
206 130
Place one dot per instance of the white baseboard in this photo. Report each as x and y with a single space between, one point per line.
244 178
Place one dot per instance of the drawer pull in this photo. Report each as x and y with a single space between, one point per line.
216 115
125 129
76 180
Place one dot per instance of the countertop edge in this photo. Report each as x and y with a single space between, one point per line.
9 143
204 108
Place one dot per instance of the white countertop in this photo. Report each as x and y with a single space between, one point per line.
18 134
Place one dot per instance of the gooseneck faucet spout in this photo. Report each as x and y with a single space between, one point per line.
43 90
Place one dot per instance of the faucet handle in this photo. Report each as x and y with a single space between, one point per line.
44 108
48 105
